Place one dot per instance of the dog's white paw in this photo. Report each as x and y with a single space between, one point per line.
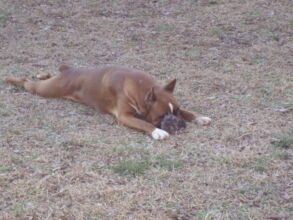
159 134
203 120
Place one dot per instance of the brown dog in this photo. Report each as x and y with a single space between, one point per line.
120 91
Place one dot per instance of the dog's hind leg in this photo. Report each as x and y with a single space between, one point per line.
53 87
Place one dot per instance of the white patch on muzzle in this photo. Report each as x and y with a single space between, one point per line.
171 107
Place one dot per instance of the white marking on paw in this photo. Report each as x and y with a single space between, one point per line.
159 134
203 120
171 107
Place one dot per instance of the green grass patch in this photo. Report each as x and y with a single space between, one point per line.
127 148
254 13
165 27
3 110
6 169
2 105
260 165
163 1
213 2
133 148
136 167
192 53
283 155
284 140
19 207
267 34
217 32
4 17
242 213
258 61
168 164
19 87
253 190
131 167
280 154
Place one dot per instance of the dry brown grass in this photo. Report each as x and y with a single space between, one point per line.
233 62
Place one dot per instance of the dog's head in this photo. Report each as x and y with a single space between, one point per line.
160 101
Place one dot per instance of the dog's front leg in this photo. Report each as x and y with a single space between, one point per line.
133 122
188 116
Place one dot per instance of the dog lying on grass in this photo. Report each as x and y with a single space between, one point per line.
120 91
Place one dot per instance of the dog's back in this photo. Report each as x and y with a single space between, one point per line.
102 87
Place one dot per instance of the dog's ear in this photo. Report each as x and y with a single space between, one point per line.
150 96
170 86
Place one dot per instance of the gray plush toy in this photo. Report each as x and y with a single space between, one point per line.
172 123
